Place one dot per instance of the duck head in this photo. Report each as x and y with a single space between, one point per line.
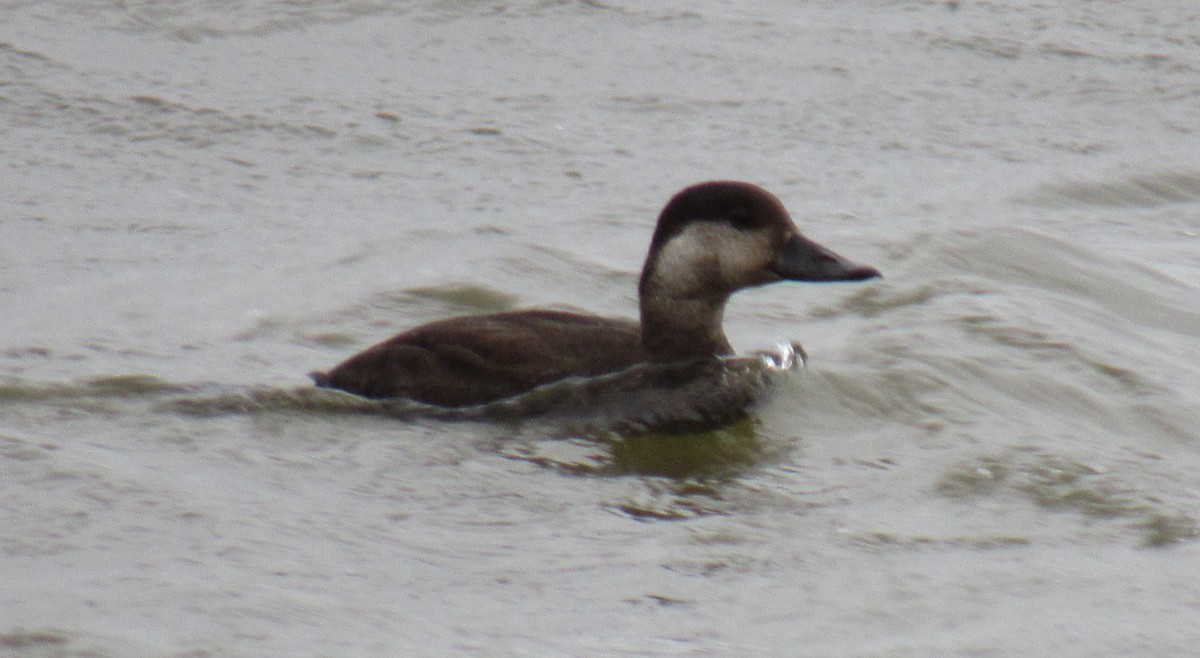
713 239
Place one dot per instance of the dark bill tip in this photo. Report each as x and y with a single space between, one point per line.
862 273
805 260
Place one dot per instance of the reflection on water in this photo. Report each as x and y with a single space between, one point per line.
713 455
709 455
681 474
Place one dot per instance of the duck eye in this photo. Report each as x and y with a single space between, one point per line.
742 218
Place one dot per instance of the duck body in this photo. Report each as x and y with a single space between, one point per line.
711 240
481 358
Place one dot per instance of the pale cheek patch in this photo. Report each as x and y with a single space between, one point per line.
709 252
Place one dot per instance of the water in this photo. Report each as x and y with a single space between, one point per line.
992 451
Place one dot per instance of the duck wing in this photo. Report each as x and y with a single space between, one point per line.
481 358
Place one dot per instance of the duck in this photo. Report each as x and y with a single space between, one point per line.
711 240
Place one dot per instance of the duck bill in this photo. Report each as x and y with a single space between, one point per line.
804 260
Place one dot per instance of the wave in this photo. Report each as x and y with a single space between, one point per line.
673 397
114 386
1143 191
1013 327
1015 365
647 397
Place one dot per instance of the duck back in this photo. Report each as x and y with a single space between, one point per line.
482 358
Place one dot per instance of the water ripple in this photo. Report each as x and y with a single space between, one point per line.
1144 191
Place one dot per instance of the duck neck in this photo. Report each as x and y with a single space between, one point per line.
682 328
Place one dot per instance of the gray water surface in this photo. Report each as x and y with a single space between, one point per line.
993 450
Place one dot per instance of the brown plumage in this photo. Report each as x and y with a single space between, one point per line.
711 240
